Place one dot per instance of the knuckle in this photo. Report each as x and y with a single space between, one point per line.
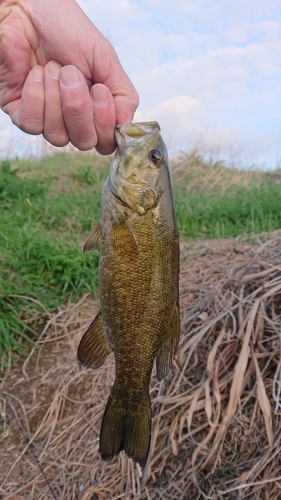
84 145
82 134
56 139
76 107
32 126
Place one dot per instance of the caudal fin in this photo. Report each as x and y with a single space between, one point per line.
126 429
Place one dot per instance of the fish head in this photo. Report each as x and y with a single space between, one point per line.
138 165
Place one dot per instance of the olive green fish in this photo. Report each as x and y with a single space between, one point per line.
138 280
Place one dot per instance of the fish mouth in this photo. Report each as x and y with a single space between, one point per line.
138 129
127 133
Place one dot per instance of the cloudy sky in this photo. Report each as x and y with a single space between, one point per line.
208 70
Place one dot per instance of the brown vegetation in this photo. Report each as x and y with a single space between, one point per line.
195 173
216 416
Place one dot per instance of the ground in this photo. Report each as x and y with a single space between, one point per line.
216 416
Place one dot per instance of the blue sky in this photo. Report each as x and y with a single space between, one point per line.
208 70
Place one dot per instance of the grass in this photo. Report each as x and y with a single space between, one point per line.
48 205
41 263
237 211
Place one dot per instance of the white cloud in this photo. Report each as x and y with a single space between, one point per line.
176 116
201 65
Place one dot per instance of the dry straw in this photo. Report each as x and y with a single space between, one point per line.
217 415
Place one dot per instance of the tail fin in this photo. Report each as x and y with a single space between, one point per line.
126 429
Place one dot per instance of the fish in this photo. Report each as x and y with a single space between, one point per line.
137 237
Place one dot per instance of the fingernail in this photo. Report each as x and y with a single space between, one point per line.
99 95
37 74
54 69
70 77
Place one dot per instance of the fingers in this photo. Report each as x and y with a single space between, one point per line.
54 127
61 106
89 117
56 101
126 103
104 118
28 112
77 108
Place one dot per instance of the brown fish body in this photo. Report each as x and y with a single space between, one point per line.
138 276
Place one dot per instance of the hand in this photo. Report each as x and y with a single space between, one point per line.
60 77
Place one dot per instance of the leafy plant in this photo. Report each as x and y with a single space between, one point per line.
14 189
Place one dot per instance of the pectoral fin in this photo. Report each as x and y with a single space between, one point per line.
94 346
124 241
168 348
93 240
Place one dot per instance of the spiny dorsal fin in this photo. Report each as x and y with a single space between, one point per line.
94 346
93 240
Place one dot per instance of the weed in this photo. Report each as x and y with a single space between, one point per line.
239 210
225 470
41 263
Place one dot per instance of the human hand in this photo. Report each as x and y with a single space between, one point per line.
60 77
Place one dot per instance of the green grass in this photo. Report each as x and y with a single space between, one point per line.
48 205
240 210
41 230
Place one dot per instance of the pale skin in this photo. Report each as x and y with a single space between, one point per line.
60 77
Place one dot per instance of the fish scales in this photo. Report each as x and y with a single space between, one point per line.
138 279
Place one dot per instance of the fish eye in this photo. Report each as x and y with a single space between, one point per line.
155 156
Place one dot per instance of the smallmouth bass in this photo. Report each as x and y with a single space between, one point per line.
138 280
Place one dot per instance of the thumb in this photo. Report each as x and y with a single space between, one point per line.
126 103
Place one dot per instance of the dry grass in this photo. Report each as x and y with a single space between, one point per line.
217 415
192 171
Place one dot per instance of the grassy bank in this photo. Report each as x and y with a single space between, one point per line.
42 225
217 202
47 206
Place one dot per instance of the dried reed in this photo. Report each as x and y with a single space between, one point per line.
217 415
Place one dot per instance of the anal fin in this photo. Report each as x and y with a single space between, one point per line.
94 346
169 345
